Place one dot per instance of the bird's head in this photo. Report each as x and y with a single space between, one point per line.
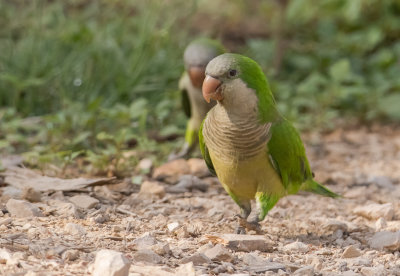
196 57
237 82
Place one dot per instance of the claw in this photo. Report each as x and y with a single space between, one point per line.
249 225
240 230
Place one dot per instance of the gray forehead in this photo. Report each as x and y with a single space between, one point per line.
198 55
221 64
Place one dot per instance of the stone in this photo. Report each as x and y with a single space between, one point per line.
376 211
185 270
305 271
22 208
296 247
16 258
147 256
188 183
196 228
5 256
31 195
145 165
84 201
196 259
33 273
382 181
245 243
385 240
11 192
110 263
152 188
171 171
147 270
252 259
65 209
355 193
393 226
145 241
161 248
198 167
332 225
380 224
173 226
258 264
181 232
5 221
359 261
351 252
268 266
70 255
219 253
373 271
101 218
74 229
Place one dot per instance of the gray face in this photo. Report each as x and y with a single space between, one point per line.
223 67
236 96
198 55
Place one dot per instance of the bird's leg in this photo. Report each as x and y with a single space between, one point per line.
183 153
245 210
264 203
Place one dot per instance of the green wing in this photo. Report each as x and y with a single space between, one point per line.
185 103
204 151
289 158
184 94
288 155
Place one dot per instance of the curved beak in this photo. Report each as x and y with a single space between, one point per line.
197 76
210 89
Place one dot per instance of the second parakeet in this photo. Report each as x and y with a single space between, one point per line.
253 150
196 57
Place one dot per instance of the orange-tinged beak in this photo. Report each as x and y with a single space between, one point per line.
197 76
210 89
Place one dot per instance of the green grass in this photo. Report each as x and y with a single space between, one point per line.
86 51
89 84
100 73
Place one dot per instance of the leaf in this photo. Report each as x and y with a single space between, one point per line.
137 108
102 136
340 71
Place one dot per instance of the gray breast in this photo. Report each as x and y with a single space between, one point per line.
235 139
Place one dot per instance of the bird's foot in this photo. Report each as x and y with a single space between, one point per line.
249 225
255 226
183 153
240 230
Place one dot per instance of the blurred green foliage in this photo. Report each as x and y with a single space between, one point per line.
338 59
101 76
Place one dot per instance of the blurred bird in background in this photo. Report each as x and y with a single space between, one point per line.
196 57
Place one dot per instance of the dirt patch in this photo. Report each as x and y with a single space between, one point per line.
185 232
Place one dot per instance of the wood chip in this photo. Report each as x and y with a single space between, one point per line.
22 178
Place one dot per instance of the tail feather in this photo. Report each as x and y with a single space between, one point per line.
315 187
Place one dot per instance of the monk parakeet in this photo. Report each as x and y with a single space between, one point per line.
196 57
253 150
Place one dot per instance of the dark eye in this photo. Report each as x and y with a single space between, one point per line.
232 72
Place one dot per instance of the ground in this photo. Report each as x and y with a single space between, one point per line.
163 226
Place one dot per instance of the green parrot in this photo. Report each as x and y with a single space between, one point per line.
196 57
253 150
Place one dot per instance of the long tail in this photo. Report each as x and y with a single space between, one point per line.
314 187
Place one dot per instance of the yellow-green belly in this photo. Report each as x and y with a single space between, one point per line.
244 178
